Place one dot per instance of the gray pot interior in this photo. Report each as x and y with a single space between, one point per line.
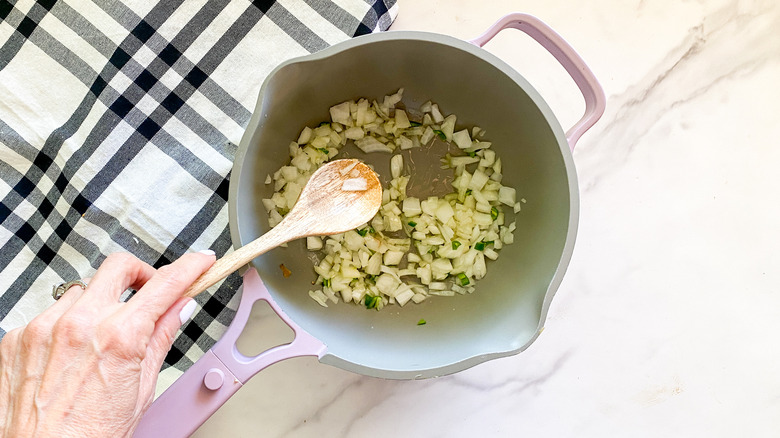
507 311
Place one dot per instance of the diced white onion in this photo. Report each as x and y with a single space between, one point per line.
448 239
340 113
462 139
348 169
354 185
427 135
354 133
396 165
305 135
371 144
448 126
401 119
436 114
507 195
313 243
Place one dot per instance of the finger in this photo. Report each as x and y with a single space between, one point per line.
167 285
118 272
36 337
56 310
162 339
167 326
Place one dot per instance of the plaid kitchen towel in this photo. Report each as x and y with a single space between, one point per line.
119 121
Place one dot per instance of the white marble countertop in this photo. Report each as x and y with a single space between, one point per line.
667 321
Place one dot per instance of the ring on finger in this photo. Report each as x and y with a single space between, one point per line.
59 289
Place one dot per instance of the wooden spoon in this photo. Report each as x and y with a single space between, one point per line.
327 205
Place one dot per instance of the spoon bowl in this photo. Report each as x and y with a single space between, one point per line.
340 196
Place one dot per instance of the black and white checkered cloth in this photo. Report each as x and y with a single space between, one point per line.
119 121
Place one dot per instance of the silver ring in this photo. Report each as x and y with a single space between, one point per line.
59 289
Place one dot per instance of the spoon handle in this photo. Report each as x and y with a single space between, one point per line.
240 257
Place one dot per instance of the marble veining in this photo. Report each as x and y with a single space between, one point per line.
706 58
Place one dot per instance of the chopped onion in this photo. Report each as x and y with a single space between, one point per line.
393 257
313 243
354 185
354 133
411 207
396 165
448 126
447 241
462 139
427 135
478 180
507 195
348 169
371 144
436 114
405 143
340 113
401 119
305 135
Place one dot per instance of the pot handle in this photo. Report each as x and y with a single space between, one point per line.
222 371
595 100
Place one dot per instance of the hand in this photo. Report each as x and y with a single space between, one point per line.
87 366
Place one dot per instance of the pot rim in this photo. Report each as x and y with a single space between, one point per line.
566 154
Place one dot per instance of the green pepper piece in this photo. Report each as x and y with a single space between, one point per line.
493 213
371 302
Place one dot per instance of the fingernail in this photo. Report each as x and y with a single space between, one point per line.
186 312
207 252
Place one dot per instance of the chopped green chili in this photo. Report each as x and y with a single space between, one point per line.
421 322
455 244
493 213
480 246
324 150
326 282
463 279
415 123
372 302
412 223
366 230
440 134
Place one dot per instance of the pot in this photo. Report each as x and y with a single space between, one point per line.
506 313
